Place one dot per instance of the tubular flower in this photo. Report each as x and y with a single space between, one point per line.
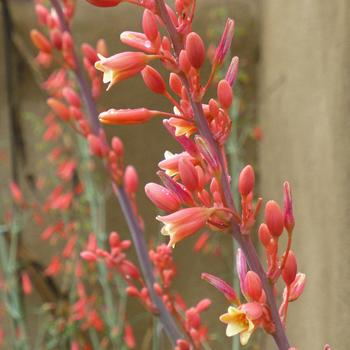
122 66
184 222
238 323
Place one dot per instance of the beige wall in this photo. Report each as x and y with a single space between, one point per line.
304 111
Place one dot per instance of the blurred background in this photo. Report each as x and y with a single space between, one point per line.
294 98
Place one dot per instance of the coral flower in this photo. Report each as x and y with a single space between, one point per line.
184 222
238 323
122 66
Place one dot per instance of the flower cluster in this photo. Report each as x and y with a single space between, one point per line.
195 191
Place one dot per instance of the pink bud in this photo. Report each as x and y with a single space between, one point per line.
56 38
225 42
129 337
42 13
297 286
246 181
232 71
59 108
203 305
71 96
117 145
88 256
288 208
184 63
149 25
16 193
26 283
241 266
274 218
195 50
96 146
175 83
153 80
40 41
252 286
126 116
221 286
327 347
188 174
162 197
225 95
131 180
132 291
90 53
290 269
264 235
114 239
213 108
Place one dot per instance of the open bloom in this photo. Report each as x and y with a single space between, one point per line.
122 66
184 222
238 323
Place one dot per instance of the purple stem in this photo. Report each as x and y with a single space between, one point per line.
244 241
136 233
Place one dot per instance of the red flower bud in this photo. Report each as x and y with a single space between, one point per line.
232 71
126 116
246 181
264 235
149 25
175 83
288 208
252 286
184 63
188 174
88 256
289 271
195 50
225 42
40 41
105 3
153 80
225 95
131 179
59 108
274 218
162 197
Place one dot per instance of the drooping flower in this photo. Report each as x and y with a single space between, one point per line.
238 323
122 66
184 222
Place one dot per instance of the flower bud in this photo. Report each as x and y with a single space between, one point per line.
184 63
225 95
290 269
126 116
274 218
162 197
96 146
241 266
117 145
213 108
56 38
252 286
297 286
264 235
222 287
16 193
225 42
153 80
232 71
149 25
105 3
88 256
246 181
288 208
114 239
59 108
90 53
188 174
175 83
42 13
71 96
40 41
131 180
195 50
